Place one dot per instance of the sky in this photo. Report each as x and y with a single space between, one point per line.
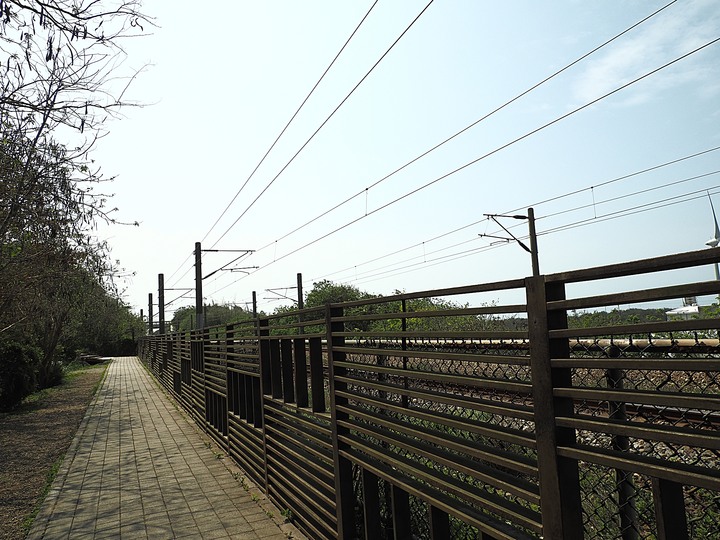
219 86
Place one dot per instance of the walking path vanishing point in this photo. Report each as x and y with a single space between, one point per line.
138 468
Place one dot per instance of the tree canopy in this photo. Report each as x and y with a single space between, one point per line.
61 78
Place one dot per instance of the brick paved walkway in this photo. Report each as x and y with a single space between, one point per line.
139 469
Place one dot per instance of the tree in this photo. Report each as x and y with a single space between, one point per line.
327 292
61 62
215 315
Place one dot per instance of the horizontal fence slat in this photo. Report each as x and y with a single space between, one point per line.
503 507
635 297
644 266
440 355
449 334
701 402
522 412
434 293
657 364
397 433
644 430
459 312
497 529
461 380
497 456
662 327
653 467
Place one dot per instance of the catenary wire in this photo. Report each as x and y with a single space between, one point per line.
582 223
626 195
598 203
282 132
437 146
380 273
471 125
492 152
537 204
342 102
662 203
534 205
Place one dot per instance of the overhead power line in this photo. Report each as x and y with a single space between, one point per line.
495 151
471 125
337 108
282 132
619 178
284 129
625 196
498 149
427 257
425 153
534 205
656 205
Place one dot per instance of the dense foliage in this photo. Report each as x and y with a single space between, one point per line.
215 315
59 292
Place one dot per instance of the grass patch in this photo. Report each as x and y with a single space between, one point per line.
49 479
35 402
98 384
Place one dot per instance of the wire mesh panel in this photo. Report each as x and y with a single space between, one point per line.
646 406
437 403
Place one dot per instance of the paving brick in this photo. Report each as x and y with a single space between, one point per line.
138 468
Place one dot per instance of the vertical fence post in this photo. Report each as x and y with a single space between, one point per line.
344 495
301 375
150 314
275 369
669 510
560 504
317 382
199 315
625 487
286 366
400 513
403 326
263 332
439 523
161 303
371 505
300 302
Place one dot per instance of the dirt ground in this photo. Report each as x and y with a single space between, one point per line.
33 440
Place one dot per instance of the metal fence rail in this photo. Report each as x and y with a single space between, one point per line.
394 417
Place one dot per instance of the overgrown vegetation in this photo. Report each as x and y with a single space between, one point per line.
60 292
215 314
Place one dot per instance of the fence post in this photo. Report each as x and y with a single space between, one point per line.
625 487
439 523
344 493
669 510
400 513
263 331
371 505
560 505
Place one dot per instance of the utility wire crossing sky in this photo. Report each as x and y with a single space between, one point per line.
363 142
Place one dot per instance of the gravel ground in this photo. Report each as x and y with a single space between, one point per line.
33 441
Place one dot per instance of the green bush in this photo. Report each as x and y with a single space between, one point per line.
50 375
18 364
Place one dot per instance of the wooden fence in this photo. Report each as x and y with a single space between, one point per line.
372 419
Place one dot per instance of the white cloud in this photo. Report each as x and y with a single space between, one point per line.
671 34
